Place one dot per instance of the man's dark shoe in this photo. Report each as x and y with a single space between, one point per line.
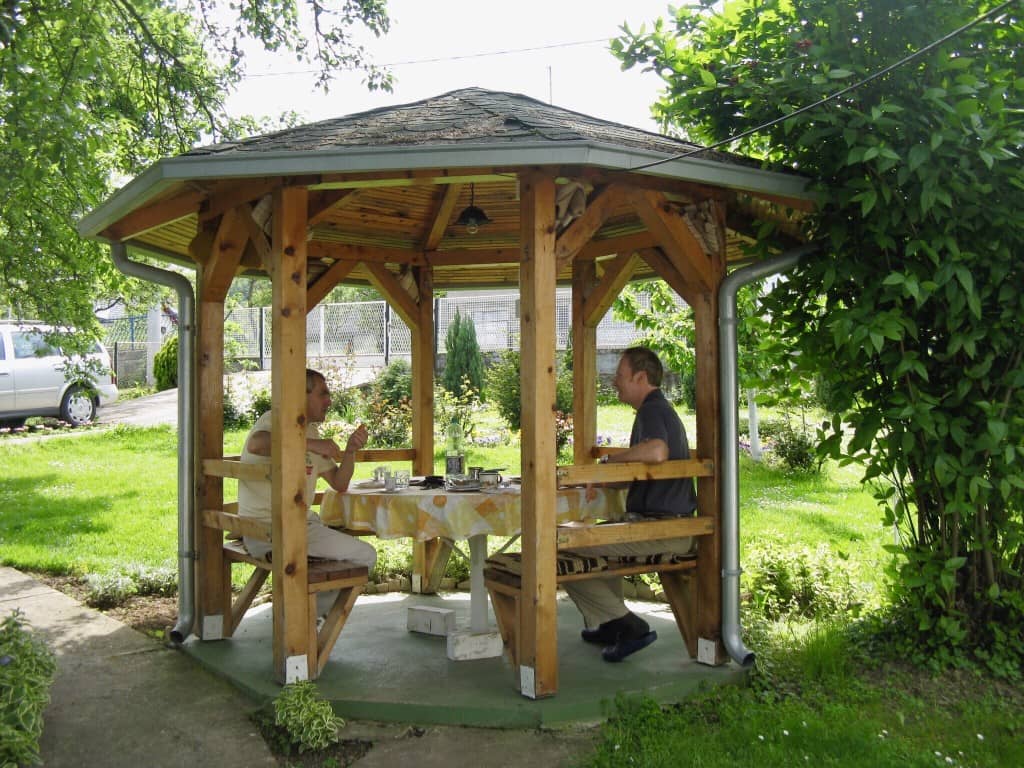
627 645
605 634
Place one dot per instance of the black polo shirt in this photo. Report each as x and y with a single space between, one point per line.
657 419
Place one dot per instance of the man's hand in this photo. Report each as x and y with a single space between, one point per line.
357 439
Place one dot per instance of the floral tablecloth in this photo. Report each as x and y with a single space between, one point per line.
425 515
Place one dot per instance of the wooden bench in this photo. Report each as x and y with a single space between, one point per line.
505 585
322 576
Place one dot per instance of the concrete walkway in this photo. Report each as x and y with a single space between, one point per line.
121 699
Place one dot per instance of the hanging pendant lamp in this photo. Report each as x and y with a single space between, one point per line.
472 218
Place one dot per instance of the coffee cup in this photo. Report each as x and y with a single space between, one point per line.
490 479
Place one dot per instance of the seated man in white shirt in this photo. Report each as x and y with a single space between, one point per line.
324 458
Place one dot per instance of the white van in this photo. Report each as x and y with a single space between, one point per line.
33 381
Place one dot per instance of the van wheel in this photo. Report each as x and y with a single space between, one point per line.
77 408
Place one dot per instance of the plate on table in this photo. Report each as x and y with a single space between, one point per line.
463 488
370 484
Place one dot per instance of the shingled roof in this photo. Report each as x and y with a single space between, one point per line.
389 184
465 116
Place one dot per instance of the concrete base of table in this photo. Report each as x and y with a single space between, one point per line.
467 645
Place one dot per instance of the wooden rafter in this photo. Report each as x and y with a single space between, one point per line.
397 296
257 238
319 249
318 290
234 194
580 232
323 202
156 215
616 274
442 215
674 236
624 244
225 254
667 271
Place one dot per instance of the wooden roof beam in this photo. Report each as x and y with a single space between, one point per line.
442 215
667 271
323 202
156 215
321 249
580 232
225 254
397 296
673 235
612 245
317 290
233 194
617 272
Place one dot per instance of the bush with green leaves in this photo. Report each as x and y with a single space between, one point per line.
784 581
165 365
149 580
448 407
504 388
796 450
235 414
463 364
306 716
395 382
911 314
108 590
261 403
27 667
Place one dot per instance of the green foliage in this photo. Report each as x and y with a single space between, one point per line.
339 376
395 382
788 581
108 590
795 449
504 388
448 407
306 716
150 580
235 414
95 91
27 667
464 365
387 409
262 402
165 365
911 318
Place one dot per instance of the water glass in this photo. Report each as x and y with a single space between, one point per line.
402 479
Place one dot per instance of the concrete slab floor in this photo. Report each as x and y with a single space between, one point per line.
380 671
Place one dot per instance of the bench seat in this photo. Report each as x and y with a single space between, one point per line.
345 577
503 573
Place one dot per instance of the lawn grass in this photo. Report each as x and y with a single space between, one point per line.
102 501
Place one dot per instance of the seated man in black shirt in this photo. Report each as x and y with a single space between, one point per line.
658 435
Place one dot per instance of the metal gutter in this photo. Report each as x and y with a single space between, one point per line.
145 188
186 440
729 404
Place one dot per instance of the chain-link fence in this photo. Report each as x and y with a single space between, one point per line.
368 333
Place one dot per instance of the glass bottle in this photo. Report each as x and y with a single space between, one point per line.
454 457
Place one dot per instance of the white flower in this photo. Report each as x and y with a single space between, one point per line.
980 737
785 732
760 737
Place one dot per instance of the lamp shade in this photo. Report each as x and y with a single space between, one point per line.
472 218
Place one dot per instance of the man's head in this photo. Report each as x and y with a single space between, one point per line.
318 396
638 373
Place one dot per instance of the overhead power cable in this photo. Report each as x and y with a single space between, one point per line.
831 97
442 59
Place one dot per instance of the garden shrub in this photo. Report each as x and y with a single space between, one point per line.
503 386
165 365
463 365
27 667
812 585
395 382
796 450
306 716
108 590
261 402
235 413
153 581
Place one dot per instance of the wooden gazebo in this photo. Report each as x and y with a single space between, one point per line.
373 198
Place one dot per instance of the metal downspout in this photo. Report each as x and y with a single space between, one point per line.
186 470
727 382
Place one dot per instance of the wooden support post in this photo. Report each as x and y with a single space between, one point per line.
709 489
218 259
292 621
537 669
584 364
428 557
